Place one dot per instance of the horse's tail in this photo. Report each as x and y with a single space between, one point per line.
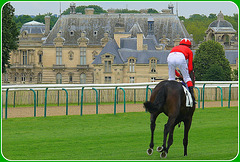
158 102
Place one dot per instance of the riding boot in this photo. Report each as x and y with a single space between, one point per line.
192 93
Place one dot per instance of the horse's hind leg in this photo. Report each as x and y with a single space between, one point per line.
187 125
152 126
169 128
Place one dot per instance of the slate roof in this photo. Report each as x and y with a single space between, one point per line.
143 56
131 43
111 48
164 24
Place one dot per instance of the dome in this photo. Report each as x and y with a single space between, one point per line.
33 27
33 23
221 23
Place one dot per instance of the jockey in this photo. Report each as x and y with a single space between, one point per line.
178 58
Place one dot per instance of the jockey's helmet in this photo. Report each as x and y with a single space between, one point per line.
185 42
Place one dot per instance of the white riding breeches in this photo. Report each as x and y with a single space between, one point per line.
177 59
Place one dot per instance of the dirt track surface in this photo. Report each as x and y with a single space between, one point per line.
20 112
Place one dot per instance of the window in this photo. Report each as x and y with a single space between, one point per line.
23 77
59 55
39 79
40 58
107 66
24 56
153 65
82 78
107 79
59 78
131 79
31 78
131 65
70 78
15 77
83 56
95 33
71 33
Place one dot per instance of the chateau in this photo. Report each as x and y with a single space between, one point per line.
98 48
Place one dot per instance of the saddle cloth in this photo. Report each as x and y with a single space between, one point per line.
189 100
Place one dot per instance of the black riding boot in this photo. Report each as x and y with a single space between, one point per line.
192 93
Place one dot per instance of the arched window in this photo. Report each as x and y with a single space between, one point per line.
59 78
82 78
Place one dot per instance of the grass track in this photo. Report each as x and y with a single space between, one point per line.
213 136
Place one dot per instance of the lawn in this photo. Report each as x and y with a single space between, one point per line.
125 136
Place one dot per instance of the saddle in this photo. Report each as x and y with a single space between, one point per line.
189 100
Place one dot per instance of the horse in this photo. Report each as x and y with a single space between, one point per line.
168 97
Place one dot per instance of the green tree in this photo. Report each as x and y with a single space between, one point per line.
9 34
211 53
214 73
151 10
235 75
41 18
81 9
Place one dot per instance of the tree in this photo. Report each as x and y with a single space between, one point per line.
81 9
9 34
151 10
211 55
235 75
214 73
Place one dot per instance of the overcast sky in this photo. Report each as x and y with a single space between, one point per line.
184 8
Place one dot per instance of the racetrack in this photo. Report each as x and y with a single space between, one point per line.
91 109
124 136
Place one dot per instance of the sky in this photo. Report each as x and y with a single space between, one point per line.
185 9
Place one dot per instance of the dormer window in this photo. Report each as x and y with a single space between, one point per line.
24 34
71 33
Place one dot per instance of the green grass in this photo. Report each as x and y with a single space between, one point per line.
213 136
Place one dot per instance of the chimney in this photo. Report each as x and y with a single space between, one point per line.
72 8
47 25
139 41
89 11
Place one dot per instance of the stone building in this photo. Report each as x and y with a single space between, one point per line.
95 48
222 31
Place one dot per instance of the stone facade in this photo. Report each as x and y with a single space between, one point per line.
91 48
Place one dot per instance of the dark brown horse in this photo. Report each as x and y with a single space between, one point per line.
168 97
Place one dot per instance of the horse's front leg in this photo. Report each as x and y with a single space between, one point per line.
152 126
187 125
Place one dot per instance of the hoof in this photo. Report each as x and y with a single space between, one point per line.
163 154
159 149
150 151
